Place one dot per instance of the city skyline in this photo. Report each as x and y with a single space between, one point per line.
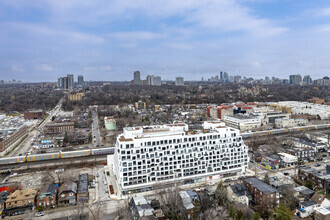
110 40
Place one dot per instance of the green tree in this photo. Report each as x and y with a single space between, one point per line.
281 212
255 216
232 212
309 184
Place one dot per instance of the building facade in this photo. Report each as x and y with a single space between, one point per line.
170 153
10 140
47 196
67 193
179 81
137 78
36 114
58 128
262 193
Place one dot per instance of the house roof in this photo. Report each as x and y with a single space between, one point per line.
318 198
260 185
304 190
187 203
22 194
68 186
239 189
308 203
49 188
83 183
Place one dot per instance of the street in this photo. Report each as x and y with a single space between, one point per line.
95 129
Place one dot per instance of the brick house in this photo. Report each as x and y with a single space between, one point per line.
47 196
67 194
262 193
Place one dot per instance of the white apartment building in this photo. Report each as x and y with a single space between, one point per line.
170 153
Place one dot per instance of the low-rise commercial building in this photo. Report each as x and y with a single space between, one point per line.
34 114
58 128
110 123
288 159
8 139
302 154
243 122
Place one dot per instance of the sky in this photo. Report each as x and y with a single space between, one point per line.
110 39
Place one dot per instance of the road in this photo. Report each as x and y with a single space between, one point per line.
102 185
95 129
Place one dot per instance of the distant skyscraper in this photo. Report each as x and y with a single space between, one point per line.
137 78
70 81
149 80
179 81
295 79
156 81
81 80
307 80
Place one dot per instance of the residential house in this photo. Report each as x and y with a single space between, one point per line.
20 201
67 193
262 193
47 196
306 208
239 193
143 209
189 200
303 193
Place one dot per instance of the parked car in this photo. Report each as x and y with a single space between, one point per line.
317 165
286 174
39 214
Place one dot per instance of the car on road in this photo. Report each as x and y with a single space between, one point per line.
286 174
14 174
39 214
317 165
227 180
97 175
105 182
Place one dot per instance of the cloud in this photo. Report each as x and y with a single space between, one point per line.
106 68
16 68
256 64
180 46
136 35
37 29
324 12
44 67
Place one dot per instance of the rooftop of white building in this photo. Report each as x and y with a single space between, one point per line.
170 129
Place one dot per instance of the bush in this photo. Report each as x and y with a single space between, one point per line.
40 208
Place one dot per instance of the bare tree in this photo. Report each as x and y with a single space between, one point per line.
96 210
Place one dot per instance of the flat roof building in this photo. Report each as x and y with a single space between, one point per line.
170 153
